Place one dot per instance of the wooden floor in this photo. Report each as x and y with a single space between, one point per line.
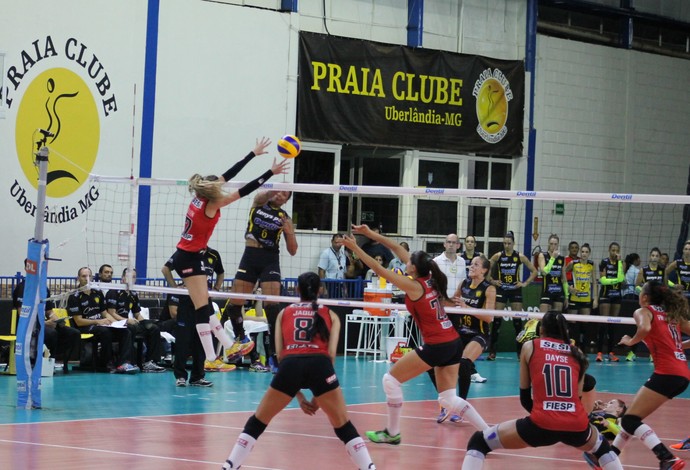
101 421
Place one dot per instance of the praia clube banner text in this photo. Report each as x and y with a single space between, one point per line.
368 93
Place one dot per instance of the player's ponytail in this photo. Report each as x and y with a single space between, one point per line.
554 325
425 265
308 284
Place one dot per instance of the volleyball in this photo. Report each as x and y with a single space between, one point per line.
289 146
398 271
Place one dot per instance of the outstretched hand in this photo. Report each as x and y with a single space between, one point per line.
280 168
362 230
349 242
261 145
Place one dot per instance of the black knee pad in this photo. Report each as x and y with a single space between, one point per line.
604 447
201 314
478 443
346 432
630 423
589 383
254 427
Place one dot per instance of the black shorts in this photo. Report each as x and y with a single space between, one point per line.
610 296
313 372
579 305
187 263
442 354
550 298
259 264
539 437
467 338
508 296
669 386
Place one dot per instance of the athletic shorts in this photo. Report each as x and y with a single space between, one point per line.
610 296
669 386
539 437
579 305
483 340
550 298
259 264
508 296
188 263
442 354
313 372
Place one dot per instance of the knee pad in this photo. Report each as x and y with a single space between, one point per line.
478 443
491 438
254 427
392 387
346 432
630 423
202 314
589 383
448 399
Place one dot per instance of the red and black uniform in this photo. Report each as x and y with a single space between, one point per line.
557 413
442 344
198 227
665 345
305 360
555 375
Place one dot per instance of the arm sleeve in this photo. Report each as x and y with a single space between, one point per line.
237 167
526 399
549 265
607 281
254 184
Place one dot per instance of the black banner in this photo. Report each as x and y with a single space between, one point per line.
362 92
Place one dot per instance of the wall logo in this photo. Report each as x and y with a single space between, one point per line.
60 101
492 92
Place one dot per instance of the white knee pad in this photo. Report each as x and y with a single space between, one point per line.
392 387
491 438
449 400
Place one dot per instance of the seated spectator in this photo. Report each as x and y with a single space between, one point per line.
374 248
58 337
370 273
396 263
88 311
119 304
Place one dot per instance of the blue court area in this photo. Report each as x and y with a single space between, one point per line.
86 395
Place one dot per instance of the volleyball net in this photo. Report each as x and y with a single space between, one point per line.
144 218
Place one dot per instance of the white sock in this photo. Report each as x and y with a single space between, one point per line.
204 330
621 439
610 461
359 454
647 436
474 460
394 412
243 446
219 332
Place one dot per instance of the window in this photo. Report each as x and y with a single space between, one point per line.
312 211
365 166
487 220
435 174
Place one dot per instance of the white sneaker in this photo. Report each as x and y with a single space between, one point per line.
478 379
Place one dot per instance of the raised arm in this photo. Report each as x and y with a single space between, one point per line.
409 286
278 168
402 254
259 149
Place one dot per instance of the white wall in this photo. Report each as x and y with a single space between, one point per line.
606 119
